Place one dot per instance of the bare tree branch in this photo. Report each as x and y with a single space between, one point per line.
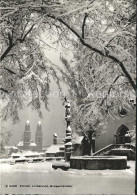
22 39
4 90
110 89
11 44
10 71
83 25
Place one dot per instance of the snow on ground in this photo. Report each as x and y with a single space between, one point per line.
47 167
41 178
26 167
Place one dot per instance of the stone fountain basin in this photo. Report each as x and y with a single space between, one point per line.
98 162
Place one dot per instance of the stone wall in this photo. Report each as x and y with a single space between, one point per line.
124 152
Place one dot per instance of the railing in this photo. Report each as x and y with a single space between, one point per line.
107 149
104 151
130 146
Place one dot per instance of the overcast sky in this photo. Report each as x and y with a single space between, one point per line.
53 120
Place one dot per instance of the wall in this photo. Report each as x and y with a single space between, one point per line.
108 137
77 150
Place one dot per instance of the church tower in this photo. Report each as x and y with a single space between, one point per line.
27 136
38 137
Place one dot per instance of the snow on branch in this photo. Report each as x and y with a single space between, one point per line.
96 49
83 25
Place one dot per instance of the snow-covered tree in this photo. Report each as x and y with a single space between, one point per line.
103 79
4 138
103 38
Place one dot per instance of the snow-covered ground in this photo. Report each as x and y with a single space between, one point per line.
40 178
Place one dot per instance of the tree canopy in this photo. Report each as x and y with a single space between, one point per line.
102 35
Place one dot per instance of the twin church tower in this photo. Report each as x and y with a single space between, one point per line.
28 144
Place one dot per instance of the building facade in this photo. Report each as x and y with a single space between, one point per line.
116 129
27 143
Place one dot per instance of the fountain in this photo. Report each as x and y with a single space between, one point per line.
86 162
98 162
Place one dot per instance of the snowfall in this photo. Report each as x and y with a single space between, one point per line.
40 178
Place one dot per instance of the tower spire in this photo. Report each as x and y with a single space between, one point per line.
27 136
38 136
27 126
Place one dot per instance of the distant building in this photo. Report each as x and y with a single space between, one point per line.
27 136
20 145
11 149
55 150
27 143
33 146
38 137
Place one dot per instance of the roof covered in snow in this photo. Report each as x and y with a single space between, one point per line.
25 153
53 149
32 144
16 154
29 152
14 147
11 147
20 143
77 140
